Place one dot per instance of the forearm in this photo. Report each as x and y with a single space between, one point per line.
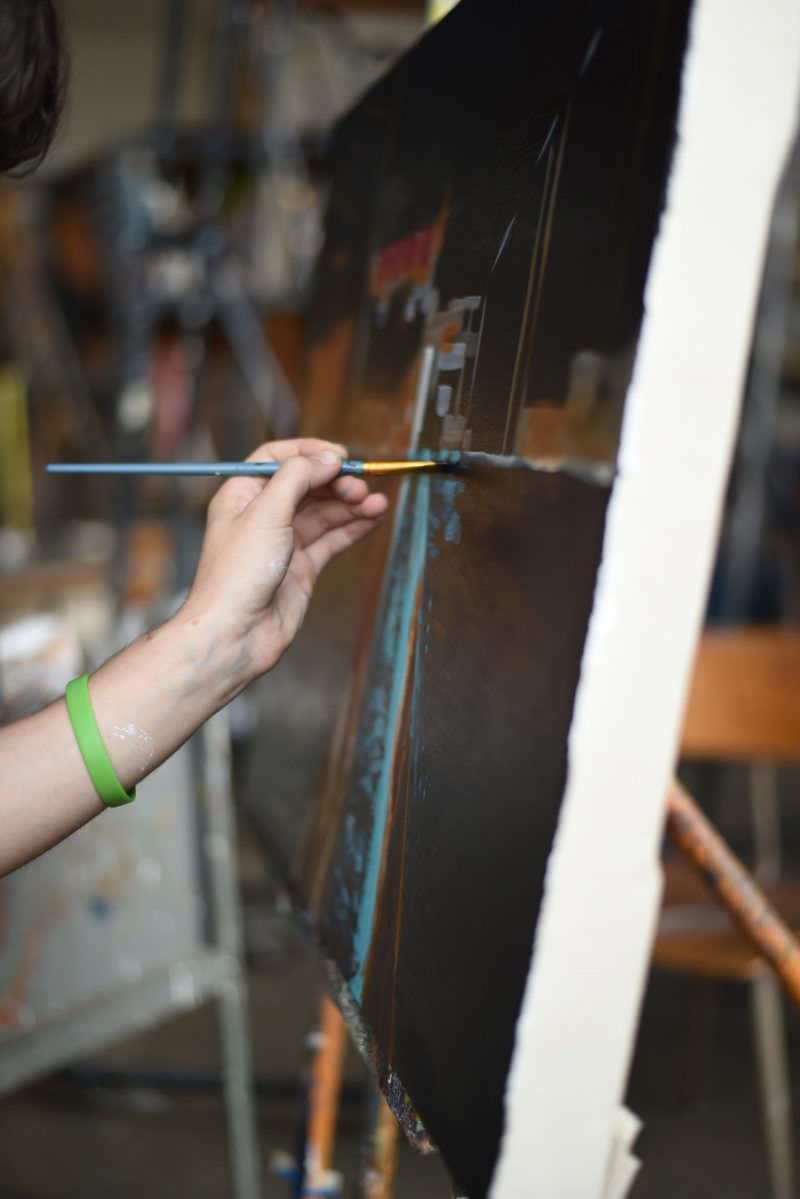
147 701
262 554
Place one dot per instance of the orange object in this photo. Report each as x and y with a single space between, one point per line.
381 1169
735 887
744 701
324 1094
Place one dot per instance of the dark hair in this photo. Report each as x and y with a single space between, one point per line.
33 76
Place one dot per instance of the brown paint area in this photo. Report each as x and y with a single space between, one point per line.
350 586
545 134
474 757
327 370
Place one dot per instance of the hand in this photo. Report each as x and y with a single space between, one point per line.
266 544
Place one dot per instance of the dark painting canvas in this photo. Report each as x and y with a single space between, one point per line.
494 207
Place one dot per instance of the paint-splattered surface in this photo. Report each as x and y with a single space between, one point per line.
103 910
481 288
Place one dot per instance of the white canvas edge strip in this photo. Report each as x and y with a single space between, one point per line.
623 1166
574 1035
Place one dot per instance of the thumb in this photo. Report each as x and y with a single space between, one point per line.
276 506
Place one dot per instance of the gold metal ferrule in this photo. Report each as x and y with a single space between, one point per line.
398 468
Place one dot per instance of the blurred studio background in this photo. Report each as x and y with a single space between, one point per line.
155 276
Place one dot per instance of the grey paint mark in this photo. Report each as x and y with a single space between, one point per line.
590 472
478 346
589 55
502 245
547 140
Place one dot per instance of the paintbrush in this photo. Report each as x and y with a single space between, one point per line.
354 467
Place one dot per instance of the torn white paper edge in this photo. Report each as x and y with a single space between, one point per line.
622 1165
737 113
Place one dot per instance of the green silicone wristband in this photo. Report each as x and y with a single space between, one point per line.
90 743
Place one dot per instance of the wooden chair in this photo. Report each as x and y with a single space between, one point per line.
744 706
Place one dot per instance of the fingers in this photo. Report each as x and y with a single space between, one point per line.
337 540
278 503
237 494
232 499
350 489
307 565
318 517
345 487
277 451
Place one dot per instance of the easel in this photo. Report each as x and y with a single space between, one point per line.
310 1173
218 289
742 709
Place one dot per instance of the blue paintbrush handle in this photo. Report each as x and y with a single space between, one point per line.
217 469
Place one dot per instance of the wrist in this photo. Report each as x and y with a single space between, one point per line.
212 656
151 697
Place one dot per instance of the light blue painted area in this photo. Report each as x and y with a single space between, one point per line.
444 521
419 787
426 517
384 705
372 725
444 515
100 906
354 847
452 524
373 722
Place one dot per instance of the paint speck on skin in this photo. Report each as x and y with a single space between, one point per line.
277 568
142 741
